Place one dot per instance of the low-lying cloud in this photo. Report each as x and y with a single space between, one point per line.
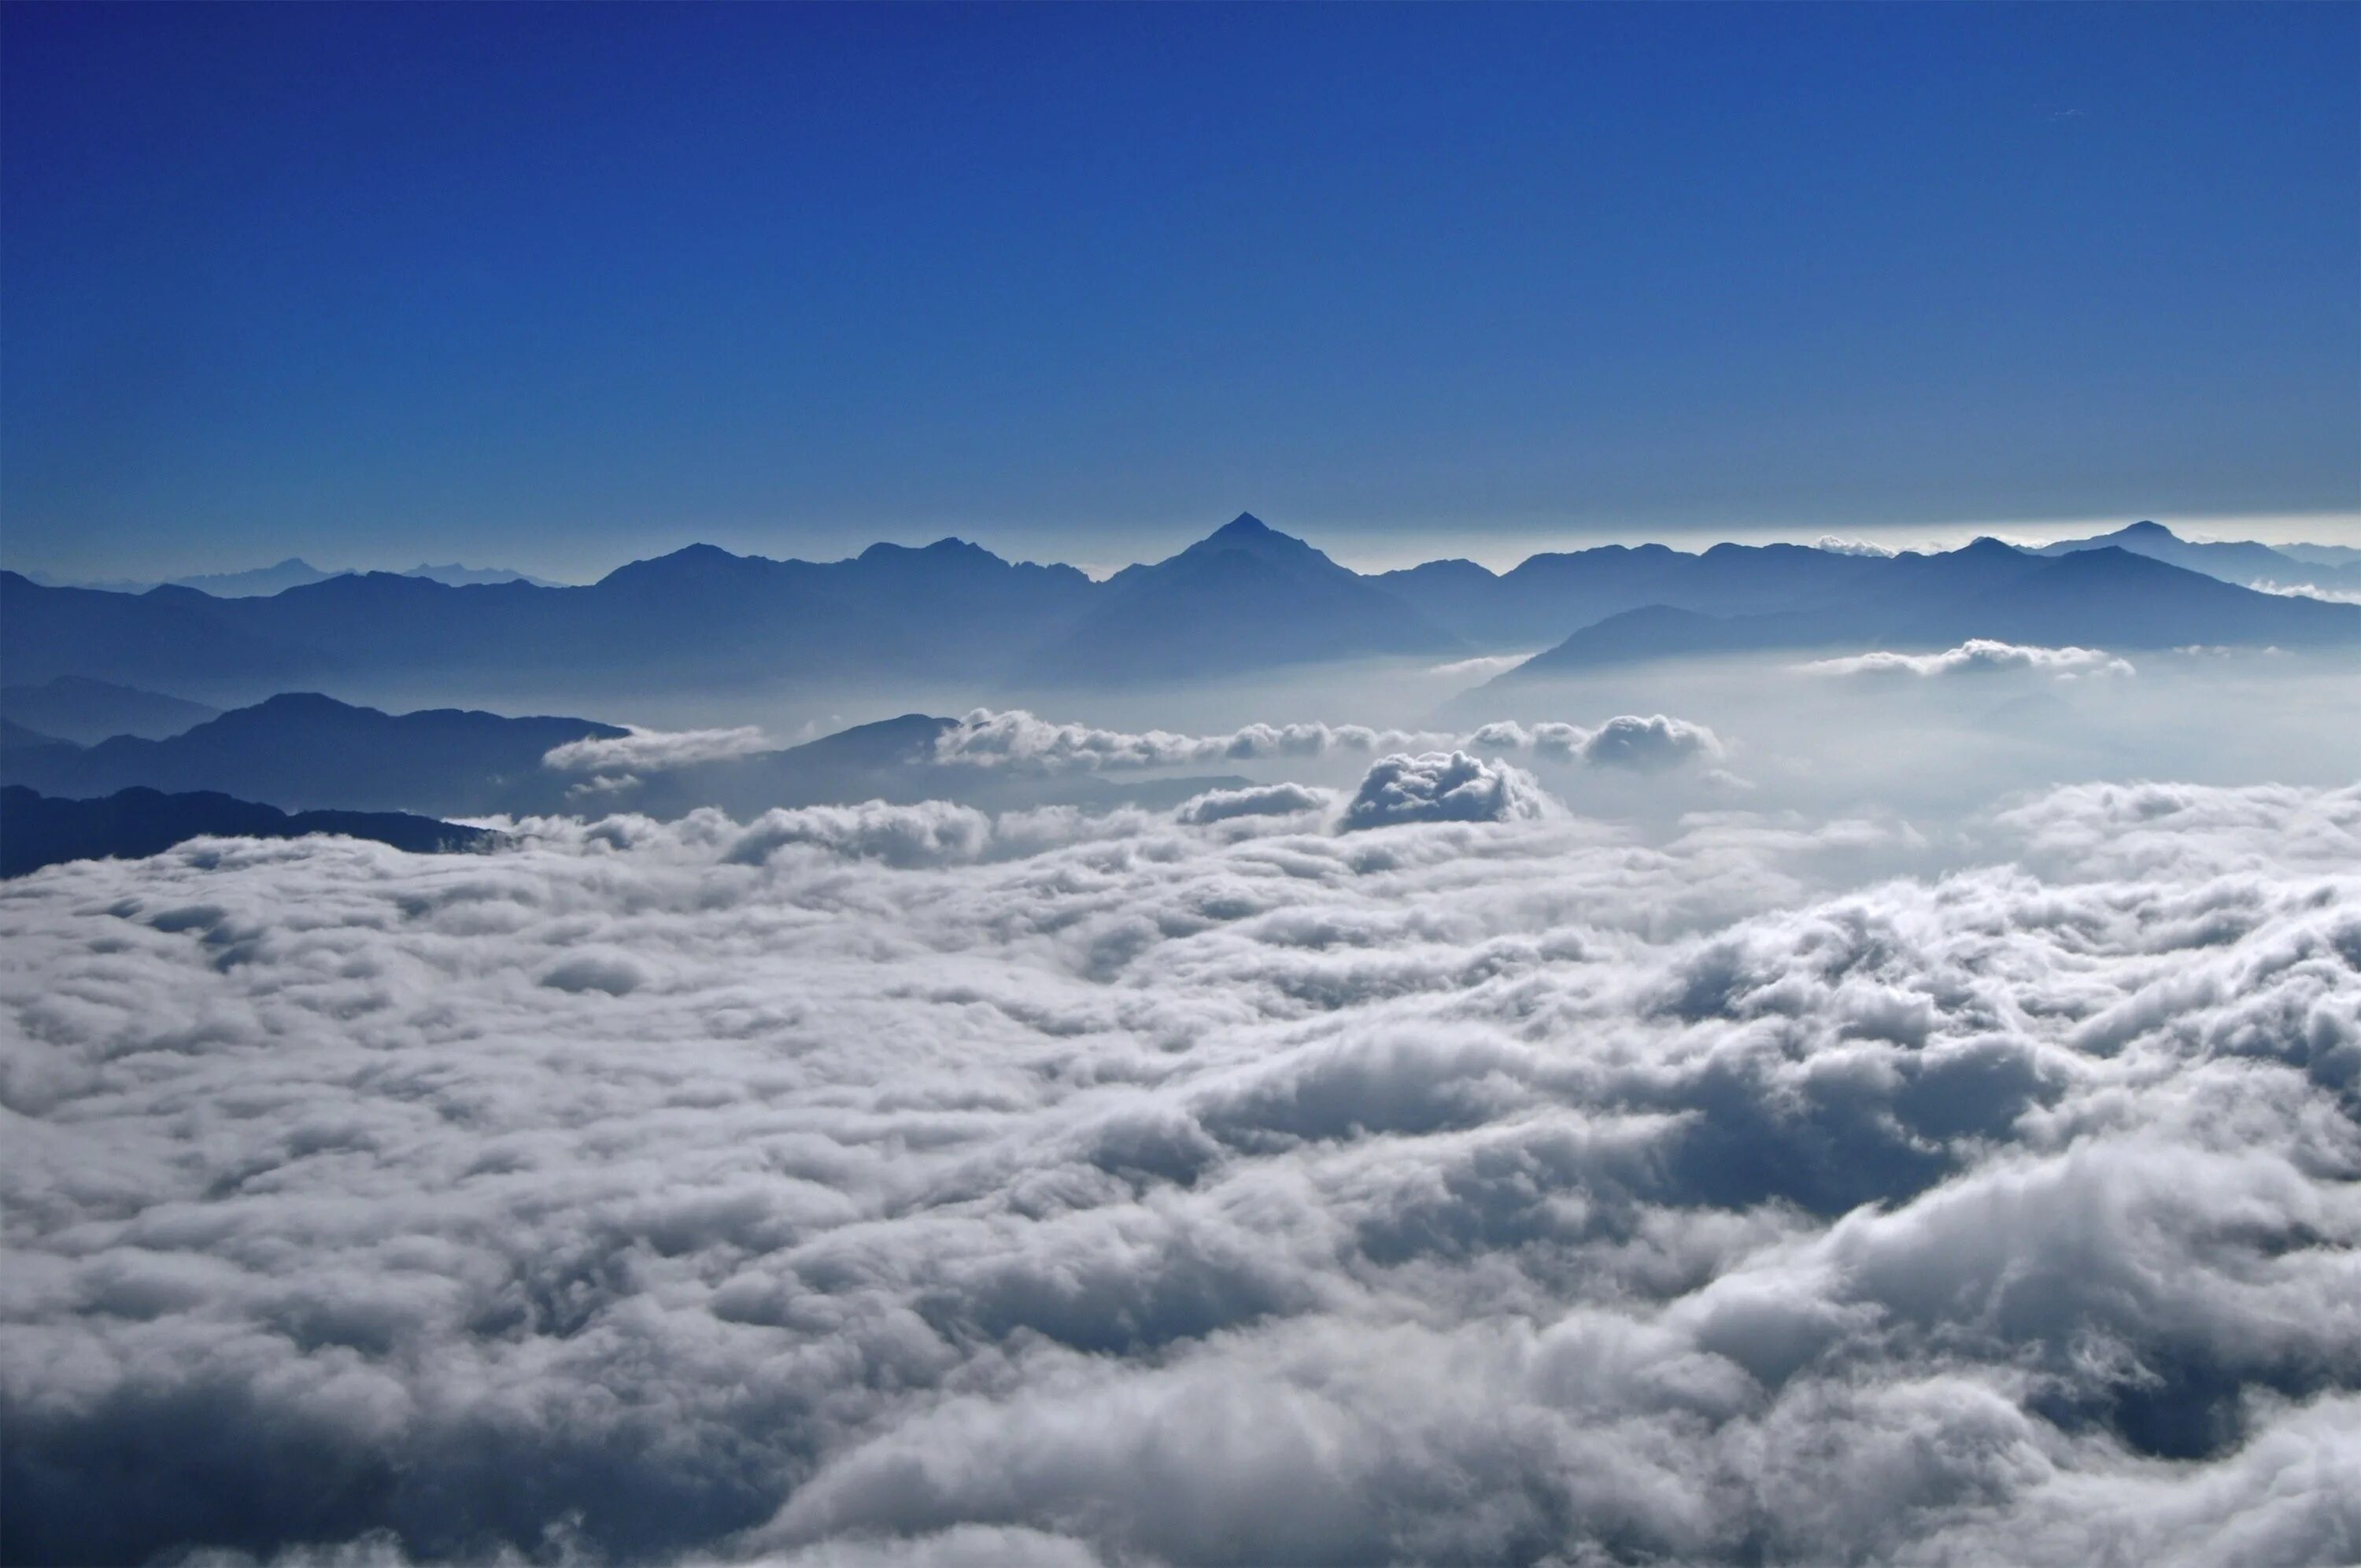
1977 655
1018 738
901 1184
654 751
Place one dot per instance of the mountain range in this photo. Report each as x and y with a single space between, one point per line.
1245 599
293 573
308 751
2326 568
300 750
77 708
2100 597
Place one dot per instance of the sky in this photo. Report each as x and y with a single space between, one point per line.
552 288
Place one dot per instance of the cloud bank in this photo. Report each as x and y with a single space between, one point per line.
896 1184
1977 655
656 750
1018 738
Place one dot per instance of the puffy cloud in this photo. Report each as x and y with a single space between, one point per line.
1018 738
1628 740
1264 800
656 750
1977 655
893 1185
1443 787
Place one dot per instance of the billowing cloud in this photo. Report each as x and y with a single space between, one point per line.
1836 545
1628 740
1260 800
1977 655
901 1185
653 751
1444 787
1018 738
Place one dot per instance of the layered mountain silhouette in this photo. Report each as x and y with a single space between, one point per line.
293 573
1245 599
309 751
37 830
2106 598
316 752
76 708
2242 561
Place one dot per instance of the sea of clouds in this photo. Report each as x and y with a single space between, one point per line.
1418 1171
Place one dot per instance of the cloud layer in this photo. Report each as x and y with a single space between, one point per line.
1977 655
1018 738
897 1184
656 750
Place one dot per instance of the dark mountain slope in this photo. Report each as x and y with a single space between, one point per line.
309 751
37 830
172 637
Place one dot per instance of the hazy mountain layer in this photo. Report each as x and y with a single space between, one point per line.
37 832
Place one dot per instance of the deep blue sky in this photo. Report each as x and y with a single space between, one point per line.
555 288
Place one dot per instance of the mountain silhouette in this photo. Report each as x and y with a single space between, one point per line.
311 750
1245 598
37 830
73 708
2106 598
2240 562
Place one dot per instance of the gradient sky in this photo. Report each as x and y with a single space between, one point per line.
552 288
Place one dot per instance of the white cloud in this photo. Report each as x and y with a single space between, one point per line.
656 750
2308 591
1836 546
1018 738
1444 787
1977 655
906 1185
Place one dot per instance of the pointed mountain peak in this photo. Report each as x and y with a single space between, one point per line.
1249 535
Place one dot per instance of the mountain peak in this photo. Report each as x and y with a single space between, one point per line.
2146 530
1245 525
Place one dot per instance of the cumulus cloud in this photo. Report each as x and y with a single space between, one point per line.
1628 740
1977 655
1268 800
901 1185
1018 738
1443 787
656 750
1835 546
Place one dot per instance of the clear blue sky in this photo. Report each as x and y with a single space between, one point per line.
554 287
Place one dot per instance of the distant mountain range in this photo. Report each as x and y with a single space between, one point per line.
293 573
2326 567
37 832
76 708
2099 597
1245 599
